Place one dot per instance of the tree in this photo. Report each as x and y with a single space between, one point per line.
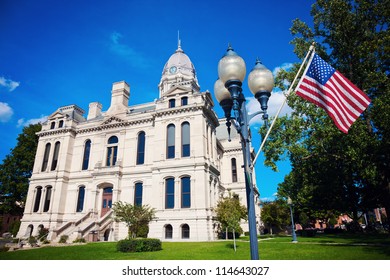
136 217
16 170
229 212
275 214
331 171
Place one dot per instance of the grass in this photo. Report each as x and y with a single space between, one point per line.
321 247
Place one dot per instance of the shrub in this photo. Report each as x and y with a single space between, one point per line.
139 245
32 241
79 240
63 239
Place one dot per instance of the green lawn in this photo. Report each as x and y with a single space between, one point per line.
321 247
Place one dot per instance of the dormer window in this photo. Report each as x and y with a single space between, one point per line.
172 103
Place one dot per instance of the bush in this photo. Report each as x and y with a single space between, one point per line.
139 245
79 240
307 232
63 239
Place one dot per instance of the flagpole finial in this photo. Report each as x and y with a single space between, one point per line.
312 46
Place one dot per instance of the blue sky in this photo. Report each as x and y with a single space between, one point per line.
57 53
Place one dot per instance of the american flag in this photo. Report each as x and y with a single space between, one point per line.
327 88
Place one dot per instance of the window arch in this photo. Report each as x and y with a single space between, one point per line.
186 192
234 170
185 139
185 231
55 156
138 190
80 199
38 194
87 151
168 232
46 204
184 101
171 141
46 157
141 148
169 193
112 151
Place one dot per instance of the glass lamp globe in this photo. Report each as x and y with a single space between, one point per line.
220 91
231 67
260 79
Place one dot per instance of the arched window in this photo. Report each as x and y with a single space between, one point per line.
38 194
46 157
141 148
168 232
87 151
172 103
234 170
138 194
61 124
80 199
185 192
55 156
112 150
169 193
185 139
184 101
171 141
52 125
46 205
185 231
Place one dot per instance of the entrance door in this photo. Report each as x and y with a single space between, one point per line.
106 201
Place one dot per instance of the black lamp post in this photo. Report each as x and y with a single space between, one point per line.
228 92
294 236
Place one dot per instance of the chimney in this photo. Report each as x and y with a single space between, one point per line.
95 110
119 98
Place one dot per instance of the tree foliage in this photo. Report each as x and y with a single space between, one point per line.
230 212
136 217
16 170
334 172
275 215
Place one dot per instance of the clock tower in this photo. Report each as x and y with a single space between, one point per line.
178 72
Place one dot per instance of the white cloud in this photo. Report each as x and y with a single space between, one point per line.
6 112
125 51
23 122
8 84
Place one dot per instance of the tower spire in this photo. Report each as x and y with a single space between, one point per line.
178 41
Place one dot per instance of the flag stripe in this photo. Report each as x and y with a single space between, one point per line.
330 90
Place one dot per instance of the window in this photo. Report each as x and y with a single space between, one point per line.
171 141
185 192
52 125
169 193
172 103
234 170
38 195
112 151
46 157
138 194
185 231
61 124
46 205
87 151
184 101
168 232
141 148
55 156
80 199
185 139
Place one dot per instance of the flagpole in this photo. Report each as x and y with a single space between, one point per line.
311 50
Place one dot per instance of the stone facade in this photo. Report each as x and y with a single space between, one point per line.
171 154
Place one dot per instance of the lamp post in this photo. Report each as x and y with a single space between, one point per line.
228 92
294 236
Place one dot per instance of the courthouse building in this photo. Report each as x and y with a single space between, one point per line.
172 153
